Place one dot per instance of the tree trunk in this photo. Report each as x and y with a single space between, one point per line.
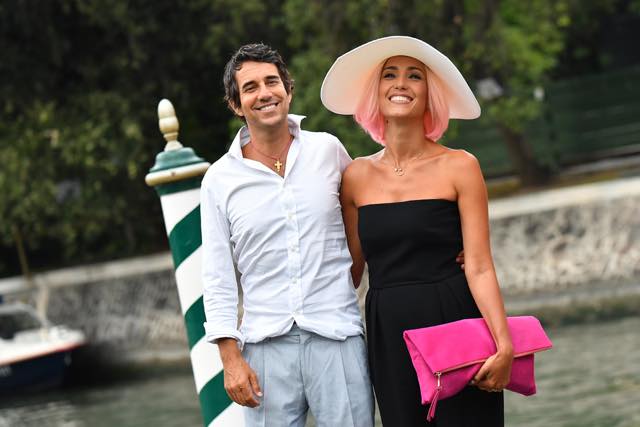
527 167
22 254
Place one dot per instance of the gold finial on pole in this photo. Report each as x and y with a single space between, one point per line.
169 125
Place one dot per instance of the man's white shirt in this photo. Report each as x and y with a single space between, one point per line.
285 237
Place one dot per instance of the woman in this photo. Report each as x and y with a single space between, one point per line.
408 210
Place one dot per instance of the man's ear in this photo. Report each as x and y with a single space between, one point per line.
290 94
291 90
235 109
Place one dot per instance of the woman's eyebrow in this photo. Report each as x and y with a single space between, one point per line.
395 68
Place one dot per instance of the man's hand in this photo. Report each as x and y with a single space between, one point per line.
240 381
460 259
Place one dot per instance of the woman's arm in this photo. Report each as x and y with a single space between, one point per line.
479 268
350 218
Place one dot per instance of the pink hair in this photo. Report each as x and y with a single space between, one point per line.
369 117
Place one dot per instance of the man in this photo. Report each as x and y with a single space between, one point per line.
270 209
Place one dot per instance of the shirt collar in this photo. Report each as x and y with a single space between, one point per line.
242 137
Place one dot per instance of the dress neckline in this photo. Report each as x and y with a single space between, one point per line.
408 202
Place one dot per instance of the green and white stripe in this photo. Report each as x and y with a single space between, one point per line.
182 219
177 176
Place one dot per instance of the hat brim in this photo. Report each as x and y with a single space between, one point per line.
345 81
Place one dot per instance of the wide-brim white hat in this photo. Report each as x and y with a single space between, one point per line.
346 79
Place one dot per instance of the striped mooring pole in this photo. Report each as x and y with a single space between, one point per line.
176 176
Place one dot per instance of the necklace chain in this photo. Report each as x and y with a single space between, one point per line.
278 164
397 168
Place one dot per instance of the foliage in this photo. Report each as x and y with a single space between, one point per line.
79 84
518 47
513 42
80 80
66 183
337 27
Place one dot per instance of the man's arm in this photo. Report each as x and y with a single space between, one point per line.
240 381
220 299
352 175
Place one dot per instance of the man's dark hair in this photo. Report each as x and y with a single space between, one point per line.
256 52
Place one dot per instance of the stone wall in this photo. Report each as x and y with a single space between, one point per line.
138 312
568 246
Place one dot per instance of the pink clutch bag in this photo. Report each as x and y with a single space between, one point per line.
446 357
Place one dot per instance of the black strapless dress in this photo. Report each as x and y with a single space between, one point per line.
414 281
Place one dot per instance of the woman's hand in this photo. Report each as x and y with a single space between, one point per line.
460 259
495 373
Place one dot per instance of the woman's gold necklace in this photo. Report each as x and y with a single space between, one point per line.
399 170
278 164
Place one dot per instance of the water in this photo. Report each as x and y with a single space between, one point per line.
590 379
169 400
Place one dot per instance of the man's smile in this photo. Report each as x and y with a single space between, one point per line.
267 107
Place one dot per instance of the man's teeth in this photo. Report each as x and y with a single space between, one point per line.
400 99
267 107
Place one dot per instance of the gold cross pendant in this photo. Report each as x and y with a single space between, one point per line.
277 165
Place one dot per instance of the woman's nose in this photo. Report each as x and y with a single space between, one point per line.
400 83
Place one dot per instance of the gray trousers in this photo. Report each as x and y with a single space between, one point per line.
303 371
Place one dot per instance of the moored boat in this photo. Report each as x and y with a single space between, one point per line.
34 354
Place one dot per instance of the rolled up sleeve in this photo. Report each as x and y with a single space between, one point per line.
220 286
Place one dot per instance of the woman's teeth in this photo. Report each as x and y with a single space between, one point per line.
400 99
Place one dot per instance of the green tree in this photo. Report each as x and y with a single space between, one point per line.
80 80
336 27
79 83
515 43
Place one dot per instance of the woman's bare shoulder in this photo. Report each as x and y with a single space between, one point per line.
360 166
460 159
